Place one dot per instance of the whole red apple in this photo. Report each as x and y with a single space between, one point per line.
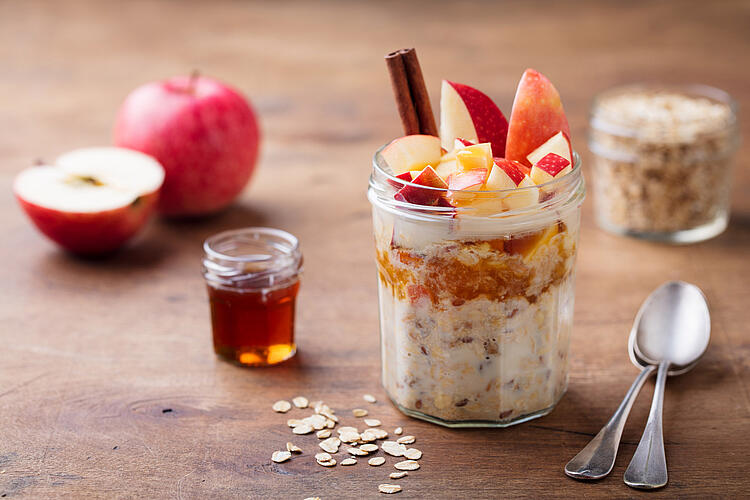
202 131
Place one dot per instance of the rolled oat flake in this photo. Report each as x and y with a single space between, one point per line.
389 488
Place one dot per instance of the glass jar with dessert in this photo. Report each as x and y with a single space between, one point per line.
476 234
663 161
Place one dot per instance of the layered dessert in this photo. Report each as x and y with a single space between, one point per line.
662 158
476 233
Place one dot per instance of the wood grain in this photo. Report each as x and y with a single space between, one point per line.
108 385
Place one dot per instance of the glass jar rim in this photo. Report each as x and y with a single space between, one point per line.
568 189
379 164
275 258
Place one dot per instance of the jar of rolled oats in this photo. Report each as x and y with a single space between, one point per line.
476 307
663 161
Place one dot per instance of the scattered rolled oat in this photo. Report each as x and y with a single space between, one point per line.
322 456
406 440
367 437
413 454
346 429
302 429
407 465
281 406
327 463
356 451
378 433
317 422
369 447
376 461
322 434
294 422
349 461
312 498
330 424
398 475
281 456
369 398
398 431
372 422
393 448
349 437
292 448
358 412
300 402
389 488
331 445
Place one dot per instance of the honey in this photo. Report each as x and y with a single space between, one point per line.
253 327
252 277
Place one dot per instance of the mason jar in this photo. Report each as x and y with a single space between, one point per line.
475 306
663 161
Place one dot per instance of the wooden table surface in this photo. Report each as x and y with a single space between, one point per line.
108 384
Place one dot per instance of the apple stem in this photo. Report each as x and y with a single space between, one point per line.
194 75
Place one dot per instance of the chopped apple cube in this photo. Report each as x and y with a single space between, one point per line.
507 175
558 144
468 180
474 157
412 152
423 195
550 167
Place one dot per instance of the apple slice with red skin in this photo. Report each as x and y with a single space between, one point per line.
412 152
508 175
92 200
536 116
550 167
467 113
412 193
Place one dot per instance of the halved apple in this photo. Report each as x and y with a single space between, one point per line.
536 116
421 196
91 201
412 152
558 144
467 113
550 167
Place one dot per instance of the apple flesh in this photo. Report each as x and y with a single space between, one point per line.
558 144
412 152
473 157
469 114
93 200
508 176
550 167
413 193
536 116
203 132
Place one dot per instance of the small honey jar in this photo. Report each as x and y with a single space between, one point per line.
252 277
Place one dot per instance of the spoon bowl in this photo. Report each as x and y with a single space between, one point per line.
674 325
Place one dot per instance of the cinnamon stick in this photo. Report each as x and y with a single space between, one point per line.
402 93
410 91
419 95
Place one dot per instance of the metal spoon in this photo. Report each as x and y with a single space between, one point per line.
596 460
673 328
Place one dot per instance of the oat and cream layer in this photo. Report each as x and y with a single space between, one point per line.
477 329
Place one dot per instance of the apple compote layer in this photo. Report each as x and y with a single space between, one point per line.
477 329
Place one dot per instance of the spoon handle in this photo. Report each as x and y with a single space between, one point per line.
648 468
598 457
